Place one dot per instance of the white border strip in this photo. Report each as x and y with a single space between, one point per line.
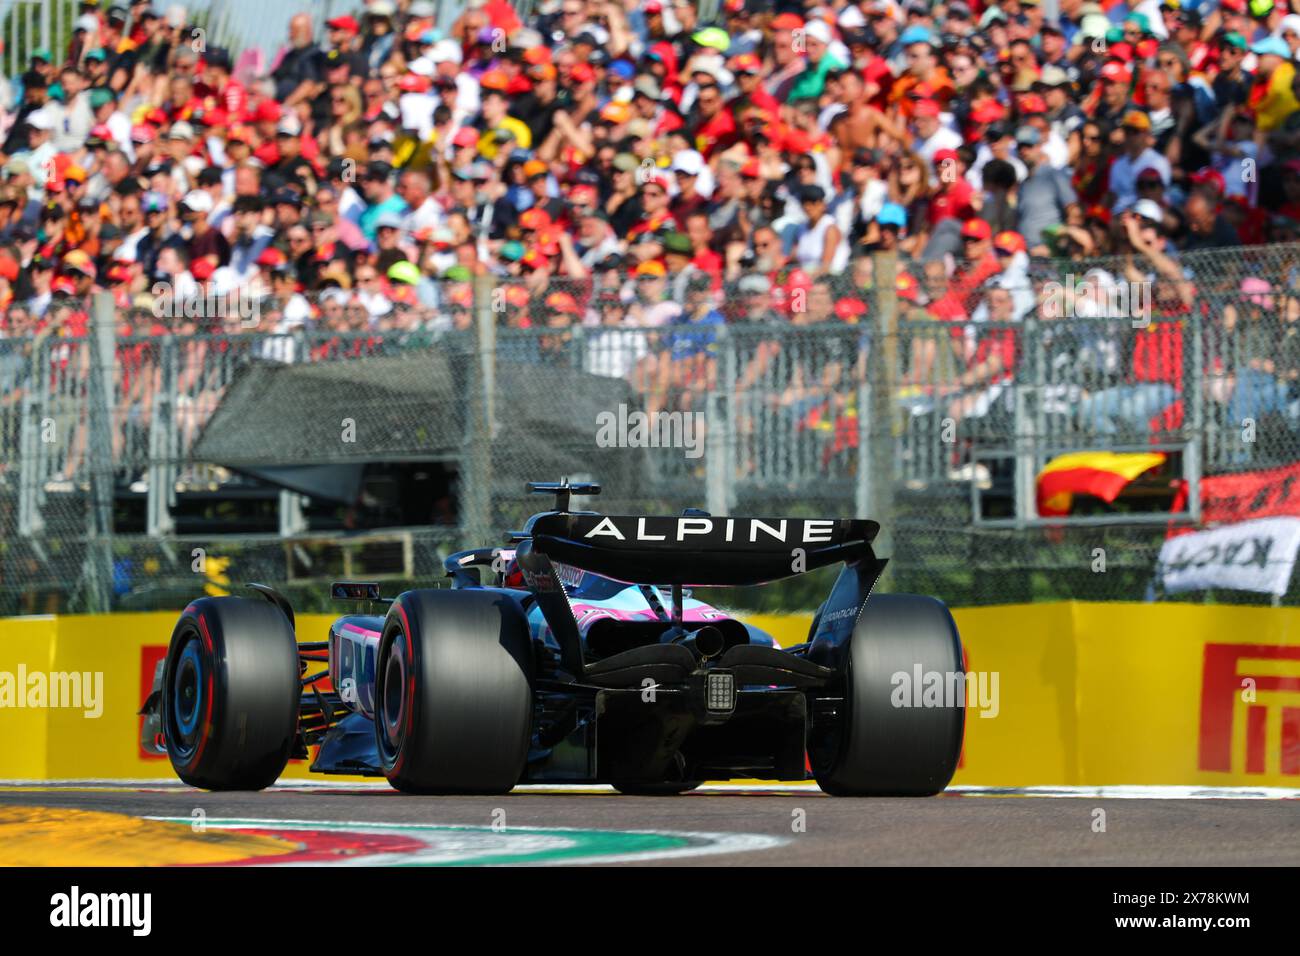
1110 792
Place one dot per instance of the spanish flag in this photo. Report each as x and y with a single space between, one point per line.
1102 474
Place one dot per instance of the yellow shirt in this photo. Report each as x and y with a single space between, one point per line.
488 145
1278 102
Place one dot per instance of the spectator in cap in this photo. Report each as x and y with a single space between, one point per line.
1111 99
931 135
1137 155
380 195
1272 96
1045 196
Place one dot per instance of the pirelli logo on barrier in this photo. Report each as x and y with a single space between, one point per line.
1250 709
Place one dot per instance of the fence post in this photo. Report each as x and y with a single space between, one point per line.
1193 463
476 492
98 572
1027 427
719 464
162 449
31 456
882 370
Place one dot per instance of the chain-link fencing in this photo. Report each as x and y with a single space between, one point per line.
367 433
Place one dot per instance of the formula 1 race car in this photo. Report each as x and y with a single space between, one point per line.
586 659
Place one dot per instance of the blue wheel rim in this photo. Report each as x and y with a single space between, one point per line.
187 694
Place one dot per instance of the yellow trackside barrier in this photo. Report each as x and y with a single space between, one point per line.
1087 694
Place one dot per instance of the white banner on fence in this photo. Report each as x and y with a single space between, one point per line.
1253 555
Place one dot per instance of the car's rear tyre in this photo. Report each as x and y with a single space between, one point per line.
230 694
656 789
881 744
453 692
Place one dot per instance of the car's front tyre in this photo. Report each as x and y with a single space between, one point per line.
230 694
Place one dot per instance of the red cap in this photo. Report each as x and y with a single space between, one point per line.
582 190
787 21
746 63
750 170
465 136
1121 51
271 256
990 111
534 219
797 141
268 111
1032 103
976 229
562 302
494 80
1207 174
654 6
658 179
1009 241
850 310
202 269
582 73
413 83
944 155
798 279
1115 72
8 267
343 23
925 108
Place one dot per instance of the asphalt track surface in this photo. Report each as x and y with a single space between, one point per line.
1004 828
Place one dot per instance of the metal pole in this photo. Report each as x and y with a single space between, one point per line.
162 449
476 487
34 451
99 447
719 468
1192 460
882 371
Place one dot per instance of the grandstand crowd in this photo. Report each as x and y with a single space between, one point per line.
632 165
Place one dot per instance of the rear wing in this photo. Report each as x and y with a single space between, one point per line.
698 550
